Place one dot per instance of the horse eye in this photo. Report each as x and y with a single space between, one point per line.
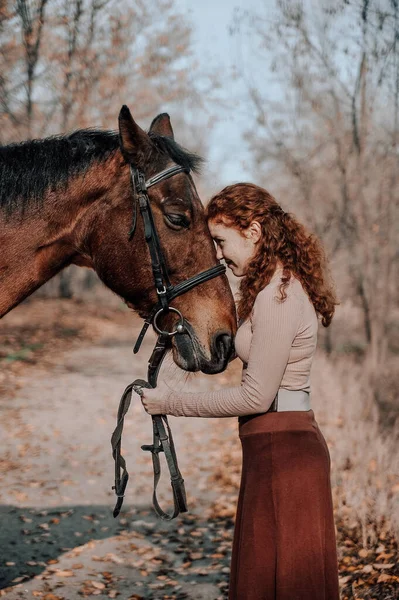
177 221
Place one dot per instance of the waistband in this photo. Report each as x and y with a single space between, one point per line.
278 421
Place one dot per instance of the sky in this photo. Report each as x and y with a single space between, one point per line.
215 46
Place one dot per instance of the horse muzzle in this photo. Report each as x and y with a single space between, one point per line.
190 355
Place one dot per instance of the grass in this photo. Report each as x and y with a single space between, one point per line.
365 461
23 354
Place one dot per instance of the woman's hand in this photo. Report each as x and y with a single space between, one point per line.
153 399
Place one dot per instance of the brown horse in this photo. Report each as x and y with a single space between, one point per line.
69 200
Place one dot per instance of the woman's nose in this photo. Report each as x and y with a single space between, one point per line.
219 253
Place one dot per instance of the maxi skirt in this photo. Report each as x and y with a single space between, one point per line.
284 544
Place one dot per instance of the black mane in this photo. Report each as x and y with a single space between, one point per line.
181 156
29 169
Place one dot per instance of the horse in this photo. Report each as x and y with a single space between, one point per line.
70 199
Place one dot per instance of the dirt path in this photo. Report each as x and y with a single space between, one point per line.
63 367
57 471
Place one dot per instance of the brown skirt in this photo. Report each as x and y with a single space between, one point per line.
284 541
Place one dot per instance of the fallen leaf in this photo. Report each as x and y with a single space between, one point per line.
98 585
196 556
384 556
385 578
367 569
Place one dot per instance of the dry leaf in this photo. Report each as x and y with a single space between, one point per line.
384 556
385 578
367 569
98 585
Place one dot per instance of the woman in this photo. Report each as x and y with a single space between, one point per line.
284 542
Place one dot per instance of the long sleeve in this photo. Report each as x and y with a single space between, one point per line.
274 326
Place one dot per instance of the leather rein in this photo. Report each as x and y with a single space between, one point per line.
162 435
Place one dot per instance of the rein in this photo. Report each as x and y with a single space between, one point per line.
162 435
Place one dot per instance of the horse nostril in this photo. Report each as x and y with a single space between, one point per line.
224 346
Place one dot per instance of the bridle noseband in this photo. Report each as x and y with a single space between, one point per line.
162 438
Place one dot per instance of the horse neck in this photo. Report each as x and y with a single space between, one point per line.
39 244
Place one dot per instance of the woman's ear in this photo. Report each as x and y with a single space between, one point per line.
255 231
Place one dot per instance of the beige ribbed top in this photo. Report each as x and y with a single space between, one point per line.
276 345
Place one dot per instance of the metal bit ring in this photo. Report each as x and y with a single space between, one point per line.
179 326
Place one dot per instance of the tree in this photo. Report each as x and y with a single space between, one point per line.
331 132
73 63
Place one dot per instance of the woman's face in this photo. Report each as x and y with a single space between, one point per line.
236 247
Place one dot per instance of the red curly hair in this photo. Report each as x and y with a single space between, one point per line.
283 240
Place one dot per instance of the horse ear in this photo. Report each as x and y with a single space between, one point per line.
162 126
132 138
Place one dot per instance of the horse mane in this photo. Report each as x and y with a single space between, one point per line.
181 156
28 169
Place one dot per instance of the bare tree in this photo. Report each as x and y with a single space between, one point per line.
331 132
32 16
72 63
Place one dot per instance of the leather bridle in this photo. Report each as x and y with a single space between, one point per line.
162 435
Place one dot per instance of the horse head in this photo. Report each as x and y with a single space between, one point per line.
123 262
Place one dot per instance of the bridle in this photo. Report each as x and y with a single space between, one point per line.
162 435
